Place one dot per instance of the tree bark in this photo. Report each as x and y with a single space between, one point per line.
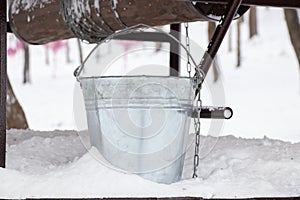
48 23
211 30
293 25
252 22
15 116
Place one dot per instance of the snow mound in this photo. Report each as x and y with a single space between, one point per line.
62 164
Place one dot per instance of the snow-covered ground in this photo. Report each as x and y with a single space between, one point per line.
263 92
57 164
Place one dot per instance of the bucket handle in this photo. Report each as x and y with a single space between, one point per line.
127 30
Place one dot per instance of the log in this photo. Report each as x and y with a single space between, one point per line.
38 23
43 21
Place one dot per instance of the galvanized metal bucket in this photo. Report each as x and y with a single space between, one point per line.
140 123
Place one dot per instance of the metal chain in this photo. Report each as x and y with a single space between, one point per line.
198 84
197 126
188 47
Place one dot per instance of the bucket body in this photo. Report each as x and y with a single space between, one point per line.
140 124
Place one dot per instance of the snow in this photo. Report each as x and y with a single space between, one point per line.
62 164
263 92
28 5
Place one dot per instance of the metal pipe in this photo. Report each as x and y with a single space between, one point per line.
274 3
214 113
3 62
219 35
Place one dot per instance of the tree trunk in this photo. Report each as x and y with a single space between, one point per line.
239 59
47 56
211 30
80 51
15 117
229 40
68 59
252 22
26 76
293 25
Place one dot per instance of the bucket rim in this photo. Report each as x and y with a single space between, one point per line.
137 76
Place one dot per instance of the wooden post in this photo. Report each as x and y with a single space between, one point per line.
175 51
3 62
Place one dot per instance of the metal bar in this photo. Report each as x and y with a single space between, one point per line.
3 62
159 37
8 28
175 50
214 113
274 3
219 35
145 36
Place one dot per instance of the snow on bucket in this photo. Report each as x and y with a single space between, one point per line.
140 124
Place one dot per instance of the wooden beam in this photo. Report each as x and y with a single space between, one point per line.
3 63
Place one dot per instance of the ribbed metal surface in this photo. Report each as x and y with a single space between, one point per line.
140 124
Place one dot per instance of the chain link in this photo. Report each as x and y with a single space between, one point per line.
188 47
198 79
197 126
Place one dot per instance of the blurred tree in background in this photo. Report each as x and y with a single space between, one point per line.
293 24
238 41
26 74
215 64
252 22
15 117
